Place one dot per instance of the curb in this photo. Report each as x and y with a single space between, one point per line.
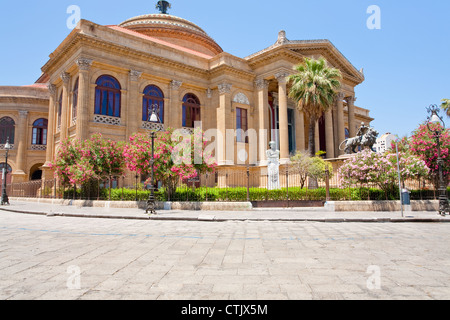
216 219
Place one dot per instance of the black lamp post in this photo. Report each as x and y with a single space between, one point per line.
436 125
153 112
5 199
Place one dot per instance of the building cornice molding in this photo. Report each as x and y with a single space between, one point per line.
225 69
25 100
81 40
308 47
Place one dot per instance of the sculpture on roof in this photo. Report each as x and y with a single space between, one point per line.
162 6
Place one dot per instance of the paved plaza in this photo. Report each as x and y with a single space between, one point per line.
44 257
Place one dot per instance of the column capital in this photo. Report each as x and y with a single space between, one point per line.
340 96
225 88
135 75
282 76
176 84
84 64
350 99
52 90
65 77
23 113
209 93
261 84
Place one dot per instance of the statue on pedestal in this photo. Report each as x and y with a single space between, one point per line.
273 157
366 137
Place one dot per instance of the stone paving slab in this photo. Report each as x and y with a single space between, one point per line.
42 258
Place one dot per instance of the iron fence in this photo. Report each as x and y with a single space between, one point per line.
238 184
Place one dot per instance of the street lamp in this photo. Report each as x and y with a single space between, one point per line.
5 199
436 125
153 112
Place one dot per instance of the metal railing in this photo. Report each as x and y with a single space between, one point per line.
238 184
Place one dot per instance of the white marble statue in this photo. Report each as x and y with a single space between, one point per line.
273 158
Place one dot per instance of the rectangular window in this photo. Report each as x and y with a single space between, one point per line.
241 125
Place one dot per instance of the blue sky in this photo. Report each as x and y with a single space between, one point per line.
406 62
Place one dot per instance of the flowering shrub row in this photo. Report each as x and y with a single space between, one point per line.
368 167
78 162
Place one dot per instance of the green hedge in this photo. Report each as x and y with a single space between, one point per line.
256 194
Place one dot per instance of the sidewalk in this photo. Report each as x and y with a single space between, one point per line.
272 214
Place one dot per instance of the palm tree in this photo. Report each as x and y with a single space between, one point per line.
314 88
446 106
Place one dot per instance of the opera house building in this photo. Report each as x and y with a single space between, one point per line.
104 78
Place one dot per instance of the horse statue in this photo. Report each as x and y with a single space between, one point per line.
366 137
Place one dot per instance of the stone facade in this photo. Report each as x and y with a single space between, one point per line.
24 106
180 59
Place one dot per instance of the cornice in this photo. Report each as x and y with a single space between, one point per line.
224 69
24 100
275 53
82 39
306 47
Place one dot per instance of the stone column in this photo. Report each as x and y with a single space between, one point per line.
134 117
300 130
340 120
224 121
329 136
51 124
82 131
65 77
351 116
317 137
263 119
174 114
283 116
21 142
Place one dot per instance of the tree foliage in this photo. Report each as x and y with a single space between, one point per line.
306 166
314 88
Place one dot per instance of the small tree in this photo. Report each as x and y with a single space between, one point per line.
106 156
423 144
300 164
306 166
319 167
82 162
173 160
70 164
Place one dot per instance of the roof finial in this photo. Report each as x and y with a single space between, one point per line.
282 37
162 6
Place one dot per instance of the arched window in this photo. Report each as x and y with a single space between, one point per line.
7 130
107 97
152 96
75 101
39 132
191 110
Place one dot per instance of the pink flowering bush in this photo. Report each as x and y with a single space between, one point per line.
69 162
423 144
368 167
78 162
174 160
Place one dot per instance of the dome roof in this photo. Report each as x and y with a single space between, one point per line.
175 30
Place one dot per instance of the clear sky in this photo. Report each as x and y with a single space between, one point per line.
406 62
